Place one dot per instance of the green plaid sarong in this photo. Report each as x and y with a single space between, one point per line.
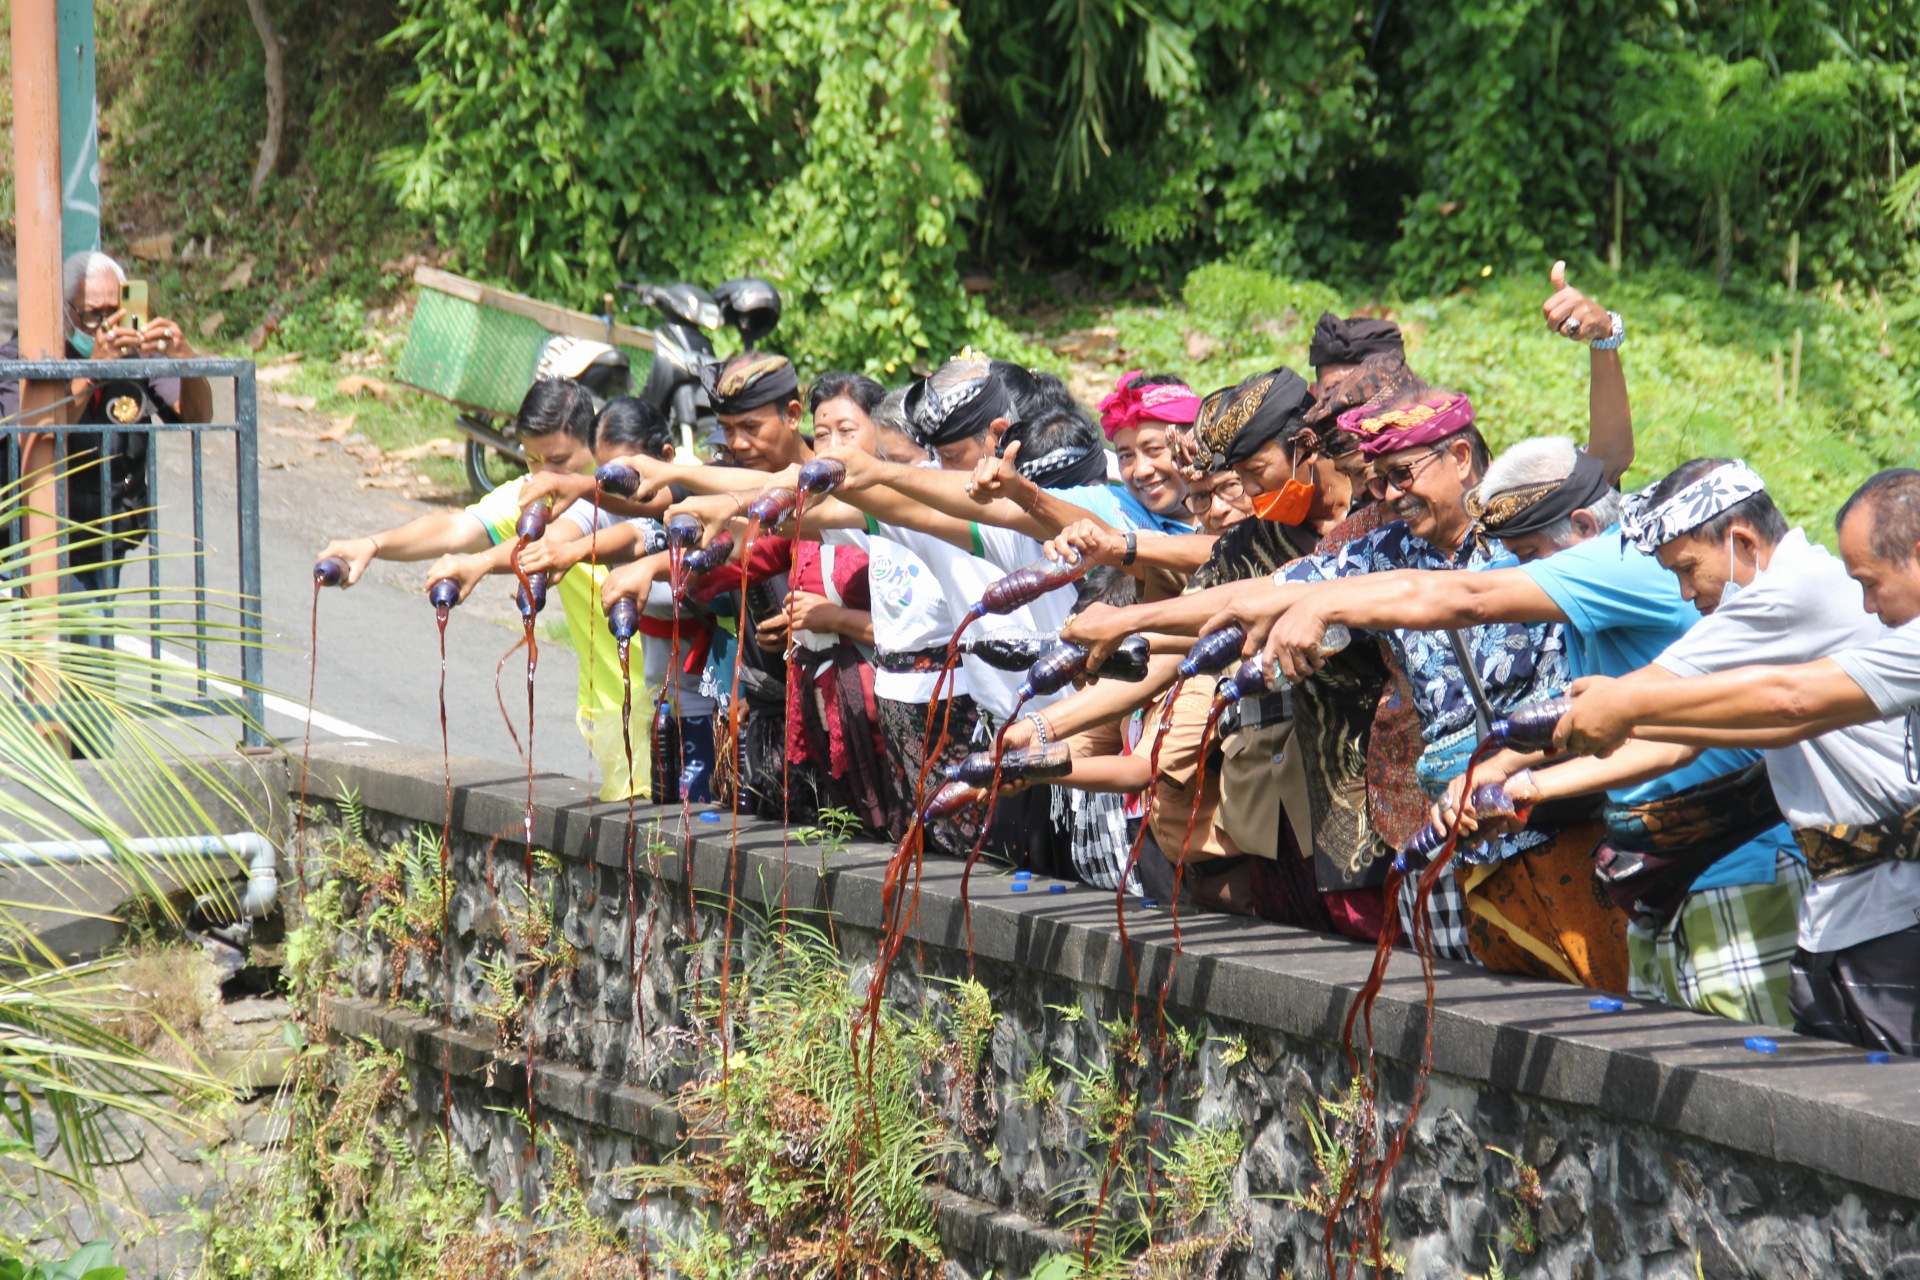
1726 951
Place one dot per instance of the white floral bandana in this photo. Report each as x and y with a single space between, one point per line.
1649 526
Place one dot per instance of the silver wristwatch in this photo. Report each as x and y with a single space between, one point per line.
1613 340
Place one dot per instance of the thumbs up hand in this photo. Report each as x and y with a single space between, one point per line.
1572 313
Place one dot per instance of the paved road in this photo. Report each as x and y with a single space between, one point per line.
379 662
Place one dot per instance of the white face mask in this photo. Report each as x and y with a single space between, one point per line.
1732 588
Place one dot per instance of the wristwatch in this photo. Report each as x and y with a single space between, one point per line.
1613 340
1133 547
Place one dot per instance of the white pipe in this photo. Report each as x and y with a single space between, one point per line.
263 869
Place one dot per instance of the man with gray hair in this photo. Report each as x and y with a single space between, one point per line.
1551 505
90 284
115 492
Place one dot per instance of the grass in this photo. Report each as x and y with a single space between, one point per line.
169 990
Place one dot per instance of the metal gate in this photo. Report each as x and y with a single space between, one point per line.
211 695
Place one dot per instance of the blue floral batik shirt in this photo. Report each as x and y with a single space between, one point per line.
1516 662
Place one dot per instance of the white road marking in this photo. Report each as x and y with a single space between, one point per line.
280 706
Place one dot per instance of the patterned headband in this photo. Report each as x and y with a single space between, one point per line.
1649 526
1382 430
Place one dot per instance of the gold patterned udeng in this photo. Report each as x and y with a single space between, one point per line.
1393 419
1218 432
1496 514
743 373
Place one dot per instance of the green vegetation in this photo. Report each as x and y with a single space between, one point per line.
90 1262
1154 168
80 1059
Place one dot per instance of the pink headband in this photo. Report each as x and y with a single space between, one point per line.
1384 430
1128 407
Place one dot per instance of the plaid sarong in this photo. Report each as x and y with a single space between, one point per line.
1727 951
1446 912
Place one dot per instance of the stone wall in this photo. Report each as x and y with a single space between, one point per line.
1662 1147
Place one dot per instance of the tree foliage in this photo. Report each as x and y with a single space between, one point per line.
866 153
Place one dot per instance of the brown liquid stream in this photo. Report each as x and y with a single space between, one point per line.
734 716
1126 950
526 821
1420 933
446 889
306 749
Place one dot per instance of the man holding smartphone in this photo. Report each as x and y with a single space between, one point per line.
101 325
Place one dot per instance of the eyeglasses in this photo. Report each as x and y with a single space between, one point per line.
1227 489
1400 475
89 319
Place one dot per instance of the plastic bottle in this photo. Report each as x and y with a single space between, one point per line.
1213 651
1489 801
822 475
1255 678
1022 764
618 478
623 619
1012 650
690 777
1025 585
683 531
949 800
1128 662
1055 671
1530 727
533 522
330 572
711 556
443 593
536 592
771 507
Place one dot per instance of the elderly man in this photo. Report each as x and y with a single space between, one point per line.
97 328
1551 506
1851 792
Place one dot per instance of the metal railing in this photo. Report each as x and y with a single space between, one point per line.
140 537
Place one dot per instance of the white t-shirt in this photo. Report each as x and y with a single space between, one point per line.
1805 607
964 579
910 612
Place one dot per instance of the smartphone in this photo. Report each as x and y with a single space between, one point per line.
133 305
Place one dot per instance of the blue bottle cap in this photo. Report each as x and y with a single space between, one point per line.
1056 888
1149 902
1606 1004
1879 1058
1018 886
709 817
1762 1044
1023 875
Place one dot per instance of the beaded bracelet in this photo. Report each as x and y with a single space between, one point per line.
1039 723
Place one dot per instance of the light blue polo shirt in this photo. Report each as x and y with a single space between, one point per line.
1623 610
1118 507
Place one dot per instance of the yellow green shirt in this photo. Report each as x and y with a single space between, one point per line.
579 592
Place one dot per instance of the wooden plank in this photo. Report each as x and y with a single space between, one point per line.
554 319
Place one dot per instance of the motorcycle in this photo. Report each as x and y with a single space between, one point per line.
681 347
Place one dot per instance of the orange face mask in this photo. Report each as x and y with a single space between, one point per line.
1290 505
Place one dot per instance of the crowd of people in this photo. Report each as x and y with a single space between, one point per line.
1730 818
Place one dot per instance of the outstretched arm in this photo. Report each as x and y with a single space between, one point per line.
422 538
1748 706
1404 599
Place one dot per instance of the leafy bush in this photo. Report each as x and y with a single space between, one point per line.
91 1262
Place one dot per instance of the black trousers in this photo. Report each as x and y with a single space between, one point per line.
1867 994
